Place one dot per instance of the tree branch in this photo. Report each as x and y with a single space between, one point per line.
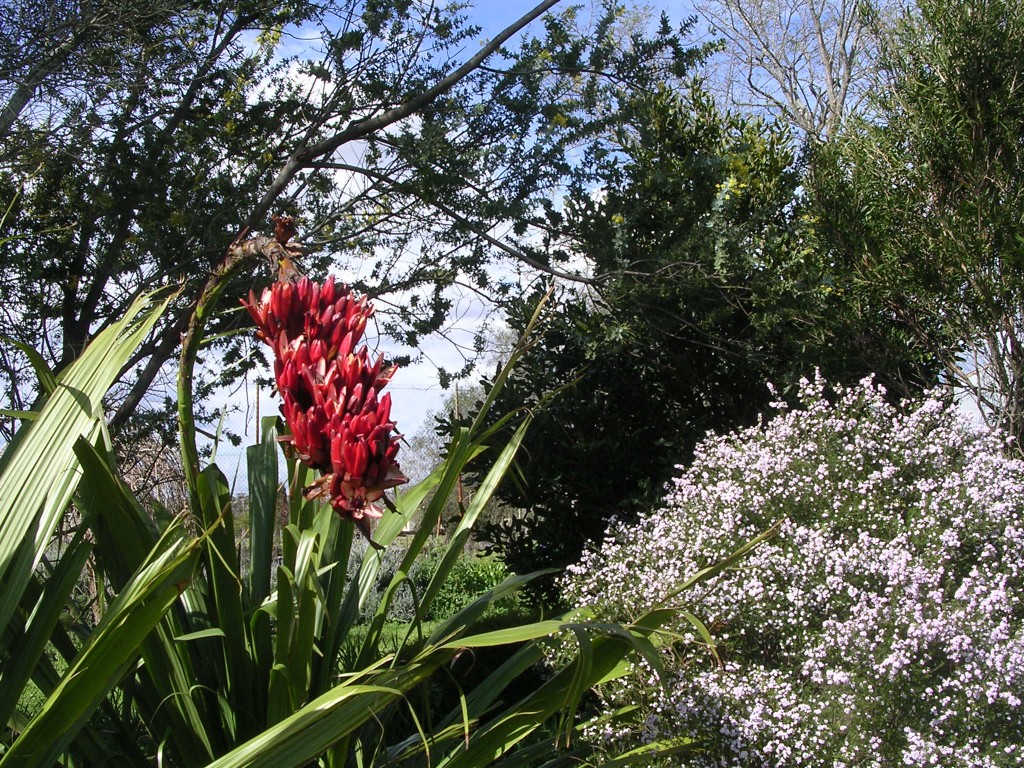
476 229
303 156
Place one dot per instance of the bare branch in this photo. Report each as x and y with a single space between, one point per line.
809 62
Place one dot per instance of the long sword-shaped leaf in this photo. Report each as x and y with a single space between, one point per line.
556 695
330 718
481 498
39 479
460 450
345 599
470 614
124 539
297 603
41 616
603 659
47 381
336 548
464 446
220 564
111 649
262 466
7 413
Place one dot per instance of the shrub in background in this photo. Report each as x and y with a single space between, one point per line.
470 577
882 626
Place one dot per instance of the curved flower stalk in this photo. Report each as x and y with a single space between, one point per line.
330 392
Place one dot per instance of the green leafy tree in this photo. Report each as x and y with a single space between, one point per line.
923 203
707 289
149 138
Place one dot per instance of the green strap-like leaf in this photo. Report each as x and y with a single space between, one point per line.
456 625
39 479
655 750
22 415
47 381
326 720
200 634
42 617
125 538
481 498
111 648
596 659
221 567
262 464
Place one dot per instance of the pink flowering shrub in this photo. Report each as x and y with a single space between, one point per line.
881 627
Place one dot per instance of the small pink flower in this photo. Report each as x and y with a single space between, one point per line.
330 391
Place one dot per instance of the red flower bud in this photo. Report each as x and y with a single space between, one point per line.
329 390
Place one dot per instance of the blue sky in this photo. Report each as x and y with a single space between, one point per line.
495 15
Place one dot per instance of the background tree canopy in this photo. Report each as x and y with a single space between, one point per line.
712 285
730 254
923 202
699 248
140 139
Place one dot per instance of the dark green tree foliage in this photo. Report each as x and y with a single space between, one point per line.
923 204
705 290
143 138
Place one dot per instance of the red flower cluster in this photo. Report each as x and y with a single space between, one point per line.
330 391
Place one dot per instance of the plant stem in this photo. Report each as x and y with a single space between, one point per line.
237 254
